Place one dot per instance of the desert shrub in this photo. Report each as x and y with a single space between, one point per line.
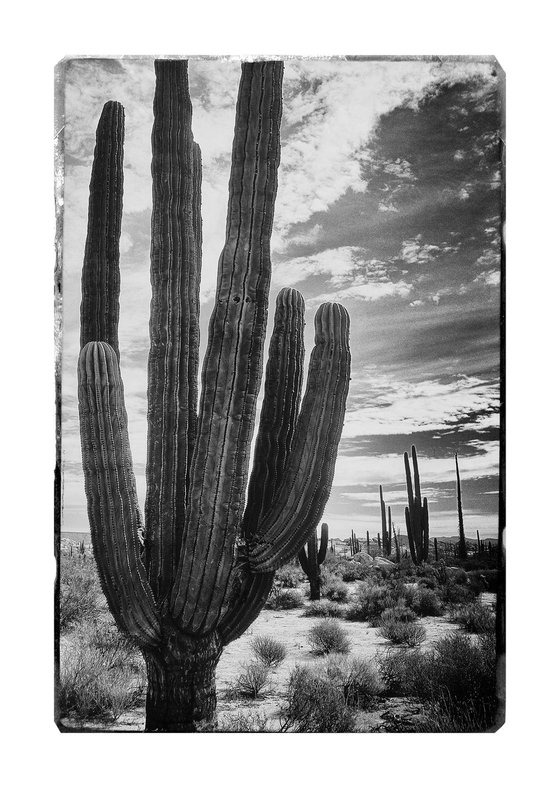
475 617
406 633
353 570
102 674
288 576
370 601
446 716
323 608
328 636
357 678
407 592
335 590
397 613
79 590
484 580
252 682
284 599
426 602
252 722
269 651
458 677
314 704
453 593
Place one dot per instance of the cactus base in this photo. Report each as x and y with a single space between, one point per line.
181 693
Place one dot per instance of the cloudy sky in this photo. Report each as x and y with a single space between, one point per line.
389 202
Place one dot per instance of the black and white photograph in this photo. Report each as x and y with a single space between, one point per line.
280 394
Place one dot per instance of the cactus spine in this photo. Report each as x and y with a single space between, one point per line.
312 559
209 557
462 547
416 513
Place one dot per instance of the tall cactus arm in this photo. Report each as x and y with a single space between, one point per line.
322 553
282 395
303 562
301 499
425 530
111 494
233 362
409 487
279 412
174 315
100 273
417 492
410 534
250 592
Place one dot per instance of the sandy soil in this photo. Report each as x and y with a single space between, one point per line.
291 628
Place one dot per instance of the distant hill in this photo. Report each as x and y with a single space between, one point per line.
76 536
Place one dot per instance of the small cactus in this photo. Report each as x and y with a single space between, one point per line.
312 559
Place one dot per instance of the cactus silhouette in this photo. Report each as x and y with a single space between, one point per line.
416 513
312 558
462 546
197 572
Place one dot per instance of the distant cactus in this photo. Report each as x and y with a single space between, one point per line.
416 513
312 559
435 549
462 547
208 562
397 545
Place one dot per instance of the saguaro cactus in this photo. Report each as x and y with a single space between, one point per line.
312 559
462 546
211 547
416 513
385 533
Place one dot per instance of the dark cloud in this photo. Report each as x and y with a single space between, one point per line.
431 443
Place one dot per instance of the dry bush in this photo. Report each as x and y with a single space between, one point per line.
334 589
242 722
252 682
357 678
353 570
475 617
102 674
288 576
327 637
323 608
269 651
370 601
426 602
457 679
397 613
402 633
79 590
314 705
284 599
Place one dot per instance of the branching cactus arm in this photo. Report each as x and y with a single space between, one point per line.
233 363
174 318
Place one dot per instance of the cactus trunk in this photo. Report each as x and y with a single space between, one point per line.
181 693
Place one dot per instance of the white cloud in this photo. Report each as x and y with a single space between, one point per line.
490 278
426 405
414 251
388 469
